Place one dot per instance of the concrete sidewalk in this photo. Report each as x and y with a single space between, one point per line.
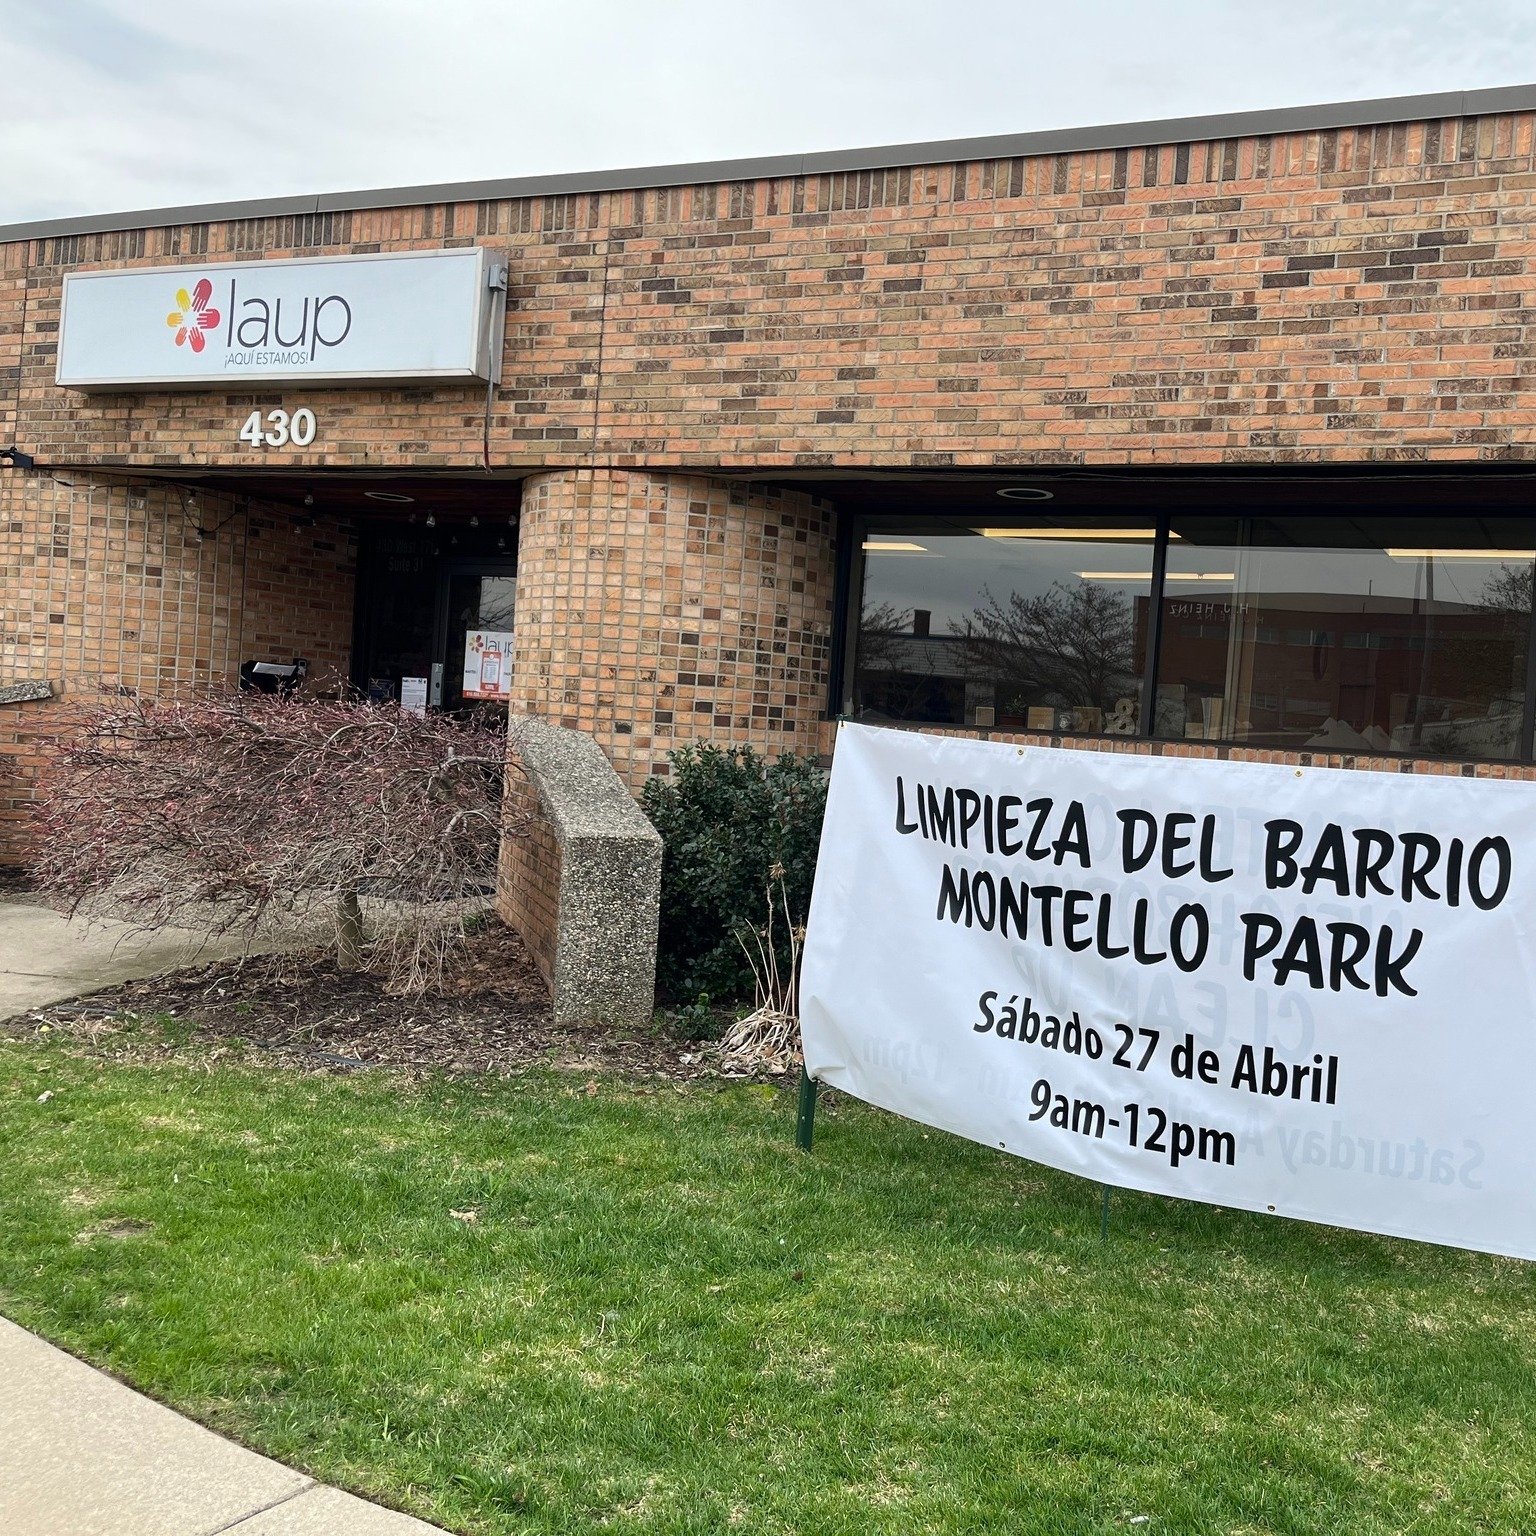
83 1455
46 957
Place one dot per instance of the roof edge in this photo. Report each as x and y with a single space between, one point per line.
1005 146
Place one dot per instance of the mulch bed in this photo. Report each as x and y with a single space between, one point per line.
494 1016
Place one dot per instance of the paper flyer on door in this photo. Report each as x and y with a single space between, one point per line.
488 664
1288 989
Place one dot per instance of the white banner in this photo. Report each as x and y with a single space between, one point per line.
1302 991
422 315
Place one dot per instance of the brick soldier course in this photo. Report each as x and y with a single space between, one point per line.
686 348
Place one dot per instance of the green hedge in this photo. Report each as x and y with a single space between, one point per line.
726 817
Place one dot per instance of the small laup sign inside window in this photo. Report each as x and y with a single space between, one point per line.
488 665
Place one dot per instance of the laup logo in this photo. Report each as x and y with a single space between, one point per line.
192 315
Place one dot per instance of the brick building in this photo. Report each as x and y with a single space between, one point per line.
1206 437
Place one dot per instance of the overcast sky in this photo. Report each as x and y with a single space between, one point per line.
108 105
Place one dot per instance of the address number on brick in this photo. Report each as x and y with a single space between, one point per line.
277 429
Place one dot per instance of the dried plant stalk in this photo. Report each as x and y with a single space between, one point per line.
768 1038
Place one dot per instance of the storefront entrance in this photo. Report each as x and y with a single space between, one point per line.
435 613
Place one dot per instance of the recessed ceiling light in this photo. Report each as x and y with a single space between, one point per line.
1025 493
394 496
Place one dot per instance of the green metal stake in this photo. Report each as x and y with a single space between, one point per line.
1104 1217
805 1116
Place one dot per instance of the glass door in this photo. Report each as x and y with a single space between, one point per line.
397 618
434 620
478 602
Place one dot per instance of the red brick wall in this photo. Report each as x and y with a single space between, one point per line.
13 289
297 593
528 873
26 734
656 610
1334 295
107 586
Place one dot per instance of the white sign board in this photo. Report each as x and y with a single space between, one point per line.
1302 991
413 695
331 320
488 665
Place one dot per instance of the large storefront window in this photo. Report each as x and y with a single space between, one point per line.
1326 634
1008 626
1351 636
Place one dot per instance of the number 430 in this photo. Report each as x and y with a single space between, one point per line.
277 429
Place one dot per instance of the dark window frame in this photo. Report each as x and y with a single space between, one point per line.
851 594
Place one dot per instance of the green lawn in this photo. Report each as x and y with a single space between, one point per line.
661 1317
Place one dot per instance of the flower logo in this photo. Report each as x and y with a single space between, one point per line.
192 316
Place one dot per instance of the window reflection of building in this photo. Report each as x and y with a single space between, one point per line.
1389 641
1299 671
908 673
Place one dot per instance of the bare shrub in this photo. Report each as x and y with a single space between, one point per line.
220 812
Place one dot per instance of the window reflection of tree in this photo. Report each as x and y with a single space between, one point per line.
1478 658
498 597
1509 588
1072 645
882 627
1443 672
